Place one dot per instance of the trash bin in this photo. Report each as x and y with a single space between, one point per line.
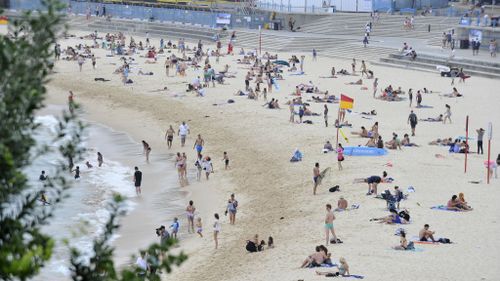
464 44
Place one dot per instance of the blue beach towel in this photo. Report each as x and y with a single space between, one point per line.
355 276
298 73
443 208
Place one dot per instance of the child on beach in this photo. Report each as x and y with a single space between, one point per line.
225 158
175 228
199 227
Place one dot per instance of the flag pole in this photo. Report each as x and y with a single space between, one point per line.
490 133
466 141
338 127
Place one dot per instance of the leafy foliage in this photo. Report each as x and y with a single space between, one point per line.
25 65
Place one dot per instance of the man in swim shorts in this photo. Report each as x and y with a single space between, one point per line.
183 132
198 144
425 234
412 119
330 217
316 177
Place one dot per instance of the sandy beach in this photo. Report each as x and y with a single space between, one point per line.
275 195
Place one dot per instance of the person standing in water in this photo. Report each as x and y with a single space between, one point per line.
42 177
99 159
169 136
190 216
137 180
77 172
146 150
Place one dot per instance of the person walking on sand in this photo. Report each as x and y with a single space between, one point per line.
199 166
330 217
353 66
207 166
447 114
480 135
363 69
302 63
316 174
183 132
232 208
412 120
325 115
100 159
340 156
419 99
217 229
225 158
190 209
375 86
169 136
315 54
93 61
198 144
137 180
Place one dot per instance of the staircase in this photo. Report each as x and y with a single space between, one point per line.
387 26
429 62
326 46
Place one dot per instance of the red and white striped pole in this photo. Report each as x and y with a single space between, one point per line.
466 141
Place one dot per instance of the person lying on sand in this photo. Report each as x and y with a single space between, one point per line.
358 82
371 113
455 205
363 133
343 124
453 94
406 141
444 142
393 218
343 72
343 270
431 119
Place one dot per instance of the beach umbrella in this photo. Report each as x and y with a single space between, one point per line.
281 62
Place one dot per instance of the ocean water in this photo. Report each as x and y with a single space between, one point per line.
81 216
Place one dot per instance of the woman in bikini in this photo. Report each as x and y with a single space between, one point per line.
190 216
179 165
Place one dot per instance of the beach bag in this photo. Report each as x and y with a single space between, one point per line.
404 215
444 240
411 246
335 188
251 247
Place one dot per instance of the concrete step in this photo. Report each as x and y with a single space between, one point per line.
466 64
430 66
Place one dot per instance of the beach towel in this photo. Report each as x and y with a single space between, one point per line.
410 189
443 208
328 265
298 73
355 276
425 106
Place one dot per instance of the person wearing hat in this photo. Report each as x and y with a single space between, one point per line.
341 204
480 134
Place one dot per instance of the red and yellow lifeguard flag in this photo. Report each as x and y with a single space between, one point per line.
346 102
3 20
